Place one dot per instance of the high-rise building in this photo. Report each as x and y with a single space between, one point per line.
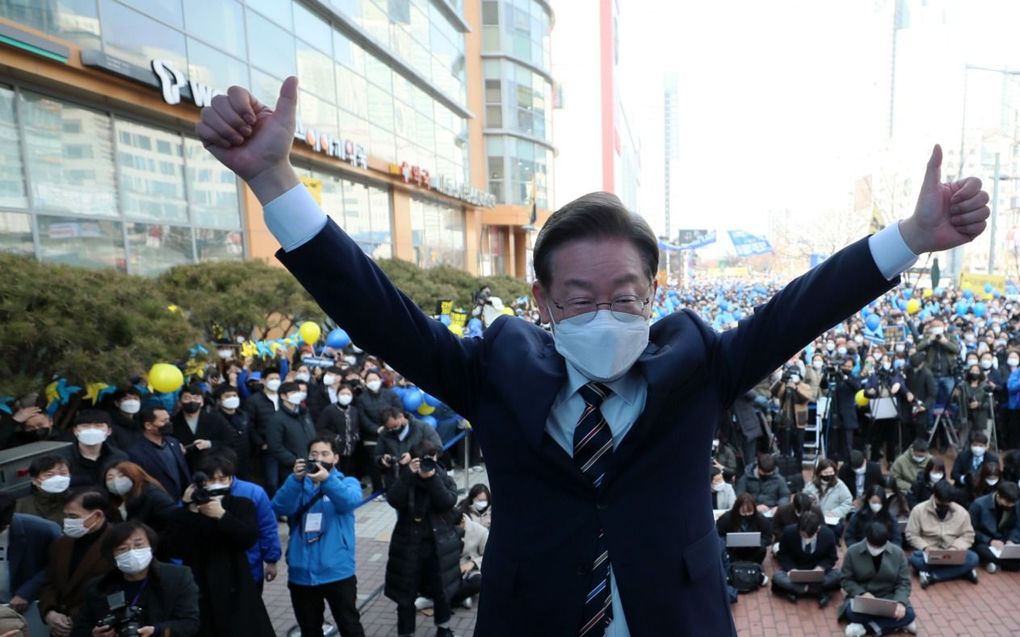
98 100
598 149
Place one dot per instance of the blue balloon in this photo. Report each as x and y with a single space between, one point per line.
445 319
429 420
908 292
873 322
961 308
967 294
474 324
338 339
938 291
988 288
399 391
431 400
412 399
902 304
979 309
996 294
738 314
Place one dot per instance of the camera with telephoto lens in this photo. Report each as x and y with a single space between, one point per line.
789 372
202 495
125 620
427 464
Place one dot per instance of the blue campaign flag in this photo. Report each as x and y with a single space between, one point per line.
749 245
816 259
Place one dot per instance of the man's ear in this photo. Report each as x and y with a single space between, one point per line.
542 300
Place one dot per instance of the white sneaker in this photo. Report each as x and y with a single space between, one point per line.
911 628
467 603
764 580
991 567
422 603
856 630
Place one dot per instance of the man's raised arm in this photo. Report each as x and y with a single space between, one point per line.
254 141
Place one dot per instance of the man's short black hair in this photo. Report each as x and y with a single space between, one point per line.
334 370
91 417
920 444
979 436
390 413
124 392
91 499
425 448
223 389
809 523
270 370
766 463
288 387
328 440
943 491
856 459
193 389
1008 491
218 462
148 414
877 534
42 464
595 215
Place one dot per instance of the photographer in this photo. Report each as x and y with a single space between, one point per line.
883 389
842 410
941 351
398 436
975 397
922 390
211 534
794 394
319 503
424 550
158 598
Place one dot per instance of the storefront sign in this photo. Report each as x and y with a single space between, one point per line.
342 149
171 79
465 192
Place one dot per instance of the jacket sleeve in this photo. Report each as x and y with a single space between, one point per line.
184 616
914 530
442 492
327 422
287 499
959 467
902 594
828 561
851 586
793 317
479 550
344 493
1014 533
965 540
785 548
741 487
853 529
269 531
90 612
397 494
238 524
48 593
844 503
44 533
977 520
274 438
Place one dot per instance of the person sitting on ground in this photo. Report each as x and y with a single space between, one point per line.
790 513
764 484
910 463
51 479
895 501
723 496
136 495
807 546
940 523
996 521
832 495
969 461
860 476
921 490
478 505
983 483
744 517
876 568
875 509
93 451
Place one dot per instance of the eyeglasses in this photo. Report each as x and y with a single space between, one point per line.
621 308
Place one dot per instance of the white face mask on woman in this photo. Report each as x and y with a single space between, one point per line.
120 485
373 385
603 348
134 561
875 506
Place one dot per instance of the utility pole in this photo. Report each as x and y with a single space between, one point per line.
995 217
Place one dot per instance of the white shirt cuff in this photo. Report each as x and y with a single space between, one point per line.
294 218
891 253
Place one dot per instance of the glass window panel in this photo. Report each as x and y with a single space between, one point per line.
16 233
92 243
375 22
12 173
219 22
316 71
168 11
137 39
74 20
219 245
275 50
426 135
317 114
279 11
378 73
490 12
399 11
420 25
348 53
380 107
357 219
69 155
151 172
265 87
312 29
352 91
490 39
357 130
495 167
212 189
351 8
155 248
381 143
379 201
218 70
493 117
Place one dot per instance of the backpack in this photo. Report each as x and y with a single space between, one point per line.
746 577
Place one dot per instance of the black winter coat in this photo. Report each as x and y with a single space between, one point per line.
242 440
421 505
153 506
85 472
389 443
288 435
371 405
215 552
261 410
342 422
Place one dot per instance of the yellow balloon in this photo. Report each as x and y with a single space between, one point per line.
927 293
913 306
309 332
165 378
861 399
508 311
425 409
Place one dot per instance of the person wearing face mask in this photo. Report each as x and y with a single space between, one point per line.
761 480
922 391
1011 409
876 567
910 463
924 485
843 410
399 435
127 402
885 389
342 420
975 399
319 503
93 451
160 454
941 351
323 393
793 393
940 523
789 513
291 429
723 495
201 432
370 403
859 475
969 461
135 495
211 534
478 505
242 440
32 424
51 478
982 482
744 517
166 593
75 559
832 495
807 545
724 455
996 520
874 509
262 407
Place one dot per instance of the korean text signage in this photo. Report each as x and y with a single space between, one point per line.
465 192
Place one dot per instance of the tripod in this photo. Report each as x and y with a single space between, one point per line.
943 419
993 436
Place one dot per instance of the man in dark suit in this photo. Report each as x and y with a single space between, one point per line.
843 411
290 430
808 545
859 475
160 454
594 425
24 555
970 459
200 432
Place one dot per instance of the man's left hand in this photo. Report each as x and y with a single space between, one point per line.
270 571
202 445
18 603
213 509
900 612
947 215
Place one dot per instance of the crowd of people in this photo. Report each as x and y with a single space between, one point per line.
172 504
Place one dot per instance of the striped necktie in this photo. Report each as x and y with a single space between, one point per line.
593 448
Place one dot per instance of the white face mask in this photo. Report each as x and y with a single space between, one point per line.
875 551
273 385
373 385
977 451
55 484
350 360
937 331
858 339
224 353
216 486
120 486
718 487
134 561
91 436
899 347
841 351
935 477
991 481
344 399
302 376
232 402
986 364
875 506
130 406
75 527
1013 361
481 505
817 365
602 348
295 398
328 379
830 346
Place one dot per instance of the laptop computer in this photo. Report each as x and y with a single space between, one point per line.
832 520
873 606
743 540
1008 552
938 557
902 524
806 577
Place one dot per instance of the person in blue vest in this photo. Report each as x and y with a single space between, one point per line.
319 503
604 419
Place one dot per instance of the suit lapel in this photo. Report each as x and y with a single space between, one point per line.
539 386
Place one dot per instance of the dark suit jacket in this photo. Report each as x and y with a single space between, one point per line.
792 555
988 525
872 476
87 472
962 466
261 409
288 435
174 479
211 426
29 552
667 572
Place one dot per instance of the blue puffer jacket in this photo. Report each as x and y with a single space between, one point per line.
331 558
267 547
1013 386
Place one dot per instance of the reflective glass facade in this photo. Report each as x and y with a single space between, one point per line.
437 233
